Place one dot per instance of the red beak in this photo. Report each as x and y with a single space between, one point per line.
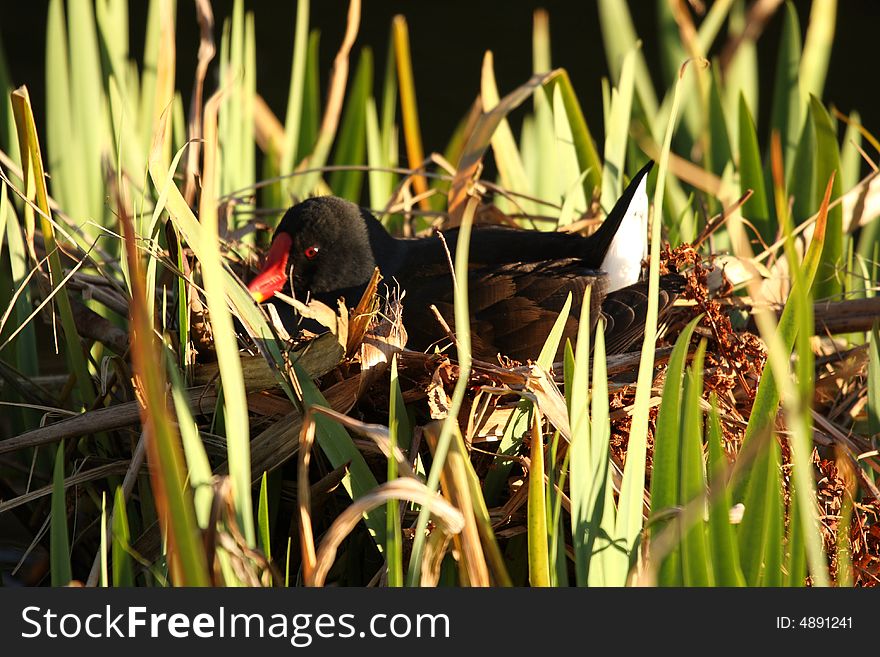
273 275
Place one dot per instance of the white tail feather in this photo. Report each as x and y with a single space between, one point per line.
623 261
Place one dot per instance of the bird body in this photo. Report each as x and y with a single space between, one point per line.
518 280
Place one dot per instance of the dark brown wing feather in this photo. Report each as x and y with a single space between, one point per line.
512 306
625 311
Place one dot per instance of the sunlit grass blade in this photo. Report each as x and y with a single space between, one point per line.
170 199
582 139
767 396
200 476
607 570
722 538
174 504
666 472
507 156
619 37
539 559
696 565
786 114
751 175
397 421
408 107
629 510
35 187
817 48
295 96
617 132
828 281
306 183
226 343
450 425
741 72
24 348
581 463
351 143
88 107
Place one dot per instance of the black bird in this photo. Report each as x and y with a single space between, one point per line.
517 284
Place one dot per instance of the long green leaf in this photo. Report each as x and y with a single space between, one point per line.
539 558
722 538
32 165
751 175
351 142
59 541
123 575
666 471
786 114
828 281
291 153
629 509
397 424
696 565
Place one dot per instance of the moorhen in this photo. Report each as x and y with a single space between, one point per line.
518 282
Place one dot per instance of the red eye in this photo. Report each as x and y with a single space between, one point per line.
311 252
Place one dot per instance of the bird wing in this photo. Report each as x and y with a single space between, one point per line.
625 311
512 307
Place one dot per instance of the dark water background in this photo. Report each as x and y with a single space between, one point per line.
448 39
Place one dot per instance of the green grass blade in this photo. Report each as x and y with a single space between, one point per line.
751 175
409 110
539 557
295 97
817 48
695 561
88 111
200 475
828 281
582 467
802 179
722 538
123 574
629 510
351 142
450 424
666 472
850 158
311 111
103 580
398 424
720 153
507 156
786 114
874 381
59 541
741 78
617 132
619 37
225 340
380 183
608 570
24 350
582 139
263 519
32 164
